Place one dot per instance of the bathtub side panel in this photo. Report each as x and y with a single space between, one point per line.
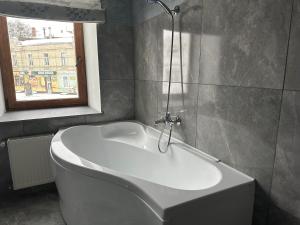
88 201
230 207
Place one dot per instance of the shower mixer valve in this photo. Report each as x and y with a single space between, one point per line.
168 119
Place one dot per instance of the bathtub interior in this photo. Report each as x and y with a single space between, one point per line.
131 149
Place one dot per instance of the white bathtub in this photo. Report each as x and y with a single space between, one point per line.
113 174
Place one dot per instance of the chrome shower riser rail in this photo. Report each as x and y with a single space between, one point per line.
167 120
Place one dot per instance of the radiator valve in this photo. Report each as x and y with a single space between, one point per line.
2 144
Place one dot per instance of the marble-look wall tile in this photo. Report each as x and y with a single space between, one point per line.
145 11
292 81
51 125
146 101
239 126
11 129
34 127
118 100
146 50
187 41
118 12
281 217
244 42
153 44
115 52
183 102
286 179
5 175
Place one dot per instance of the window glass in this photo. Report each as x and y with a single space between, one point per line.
44 59
30 60
14 60
63 58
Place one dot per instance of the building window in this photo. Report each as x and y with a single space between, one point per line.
30 60
42 87
14 60
66 81
63 58
46 59
17 80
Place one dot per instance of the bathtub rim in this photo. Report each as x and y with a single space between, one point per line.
144 189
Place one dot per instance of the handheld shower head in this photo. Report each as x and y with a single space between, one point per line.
163 5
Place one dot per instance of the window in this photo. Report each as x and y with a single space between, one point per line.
34 66
46 59
63 58
30 60
66 83
14 60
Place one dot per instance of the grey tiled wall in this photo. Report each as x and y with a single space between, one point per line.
285 194
227 85
115 40
286 179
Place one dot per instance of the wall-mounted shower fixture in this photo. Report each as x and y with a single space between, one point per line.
168 119
175 11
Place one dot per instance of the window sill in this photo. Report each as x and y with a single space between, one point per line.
47 113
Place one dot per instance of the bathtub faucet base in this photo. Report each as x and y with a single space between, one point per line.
170 120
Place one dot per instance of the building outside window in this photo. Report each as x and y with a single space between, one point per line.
14 60
63 58
17 81
66 82
30 60
62 83
46 59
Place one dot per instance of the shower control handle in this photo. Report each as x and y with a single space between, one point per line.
178 120
170 120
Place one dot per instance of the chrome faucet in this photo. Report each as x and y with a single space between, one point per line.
169 120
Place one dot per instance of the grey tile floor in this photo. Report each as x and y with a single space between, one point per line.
39 208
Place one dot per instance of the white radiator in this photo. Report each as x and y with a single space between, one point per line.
30 161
